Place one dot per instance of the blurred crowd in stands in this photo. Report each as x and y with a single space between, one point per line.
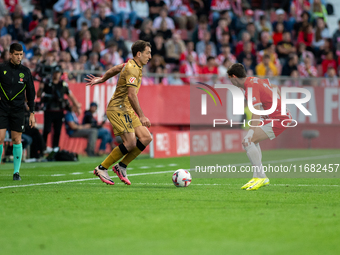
274 38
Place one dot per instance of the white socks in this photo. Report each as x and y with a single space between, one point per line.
254 154
259 149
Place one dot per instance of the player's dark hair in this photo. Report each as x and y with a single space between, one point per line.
139 46
237 70
15 47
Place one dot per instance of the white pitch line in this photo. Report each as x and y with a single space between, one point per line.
78 180
76 173
138 174
144 167
151 173
226 184
308 185
200 184
305 158
235 184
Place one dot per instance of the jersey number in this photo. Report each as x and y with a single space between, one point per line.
127 118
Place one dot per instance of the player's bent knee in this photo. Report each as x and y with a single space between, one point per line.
249 146
130 145
146 140
16 140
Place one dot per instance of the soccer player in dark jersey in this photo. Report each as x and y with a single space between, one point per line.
122 110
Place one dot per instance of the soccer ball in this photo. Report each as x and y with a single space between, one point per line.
181 178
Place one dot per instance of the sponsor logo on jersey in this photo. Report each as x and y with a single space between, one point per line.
21 75
5 72
132 79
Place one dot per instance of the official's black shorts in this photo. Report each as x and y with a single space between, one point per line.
14 119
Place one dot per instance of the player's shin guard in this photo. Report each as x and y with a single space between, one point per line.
115 155
134 153
255 159
17 154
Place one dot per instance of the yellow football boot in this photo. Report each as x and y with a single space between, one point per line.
260 182
248 184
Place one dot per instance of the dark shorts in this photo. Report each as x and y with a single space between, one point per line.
13 119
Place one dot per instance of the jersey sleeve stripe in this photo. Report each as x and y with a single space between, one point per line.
129 84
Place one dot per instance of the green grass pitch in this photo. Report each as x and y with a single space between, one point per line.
61 208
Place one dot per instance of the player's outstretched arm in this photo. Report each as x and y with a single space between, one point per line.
136 107
93 80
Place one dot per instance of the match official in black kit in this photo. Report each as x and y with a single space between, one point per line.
16 84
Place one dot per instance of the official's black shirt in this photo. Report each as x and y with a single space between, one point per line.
15 80
54 94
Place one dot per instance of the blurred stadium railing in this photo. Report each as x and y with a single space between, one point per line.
213 79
